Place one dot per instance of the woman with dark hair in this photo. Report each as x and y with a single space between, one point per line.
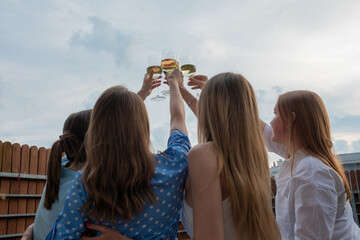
66 158
61 171
124 185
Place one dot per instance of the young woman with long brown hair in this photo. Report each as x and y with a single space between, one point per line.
228 193
61 171
124 185
313 193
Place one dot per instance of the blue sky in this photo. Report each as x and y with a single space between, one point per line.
56 57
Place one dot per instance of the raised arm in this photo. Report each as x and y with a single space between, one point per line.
148 85
177 110
190 100
197 82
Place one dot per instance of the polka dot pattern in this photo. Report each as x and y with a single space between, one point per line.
156 221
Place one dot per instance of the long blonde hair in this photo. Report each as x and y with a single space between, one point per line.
228 117
119 162
311 128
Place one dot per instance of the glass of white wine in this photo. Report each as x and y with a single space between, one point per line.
169 62
153 65
188 68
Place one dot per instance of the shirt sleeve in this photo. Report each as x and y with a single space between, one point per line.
70 223
178 144
271 145
315 211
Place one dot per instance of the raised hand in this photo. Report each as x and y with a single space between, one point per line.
148 85
175 76
197 81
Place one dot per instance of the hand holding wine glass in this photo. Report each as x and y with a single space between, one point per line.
154 69
169 63
176 77
149 83
188 68
197 81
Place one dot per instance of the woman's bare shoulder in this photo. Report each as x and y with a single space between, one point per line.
202 149
203 155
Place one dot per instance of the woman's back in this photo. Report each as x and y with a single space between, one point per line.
206 156
155 221
232 164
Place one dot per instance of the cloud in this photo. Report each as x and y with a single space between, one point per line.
343 146
349 124
266 99
355 146
104 37
57 57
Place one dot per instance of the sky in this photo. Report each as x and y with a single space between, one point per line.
58 56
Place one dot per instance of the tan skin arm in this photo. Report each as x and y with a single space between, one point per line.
190 100
177 109
197 82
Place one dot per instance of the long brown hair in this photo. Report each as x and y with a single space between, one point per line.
120 165
311 128
71 143
228 116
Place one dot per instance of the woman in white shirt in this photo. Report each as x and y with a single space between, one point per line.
313 193
227 192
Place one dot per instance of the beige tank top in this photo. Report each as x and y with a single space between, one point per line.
229 228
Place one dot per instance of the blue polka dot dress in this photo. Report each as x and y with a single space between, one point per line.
156 221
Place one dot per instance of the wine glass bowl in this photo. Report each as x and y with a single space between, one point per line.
169 62
188 68
153 65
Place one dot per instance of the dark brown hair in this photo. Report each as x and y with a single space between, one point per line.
120 165
72 144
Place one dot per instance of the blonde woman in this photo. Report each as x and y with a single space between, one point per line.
228 191
313 193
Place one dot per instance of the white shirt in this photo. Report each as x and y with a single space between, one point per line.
310 204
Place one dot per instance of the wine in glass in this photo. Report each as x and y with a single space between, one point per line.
153 65
188 68
169 63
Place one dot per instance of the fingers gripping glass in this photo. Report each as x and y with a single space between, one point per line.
153 65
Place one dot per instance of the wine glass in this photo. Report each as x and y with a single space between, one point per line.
153 65
169 62
188 68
